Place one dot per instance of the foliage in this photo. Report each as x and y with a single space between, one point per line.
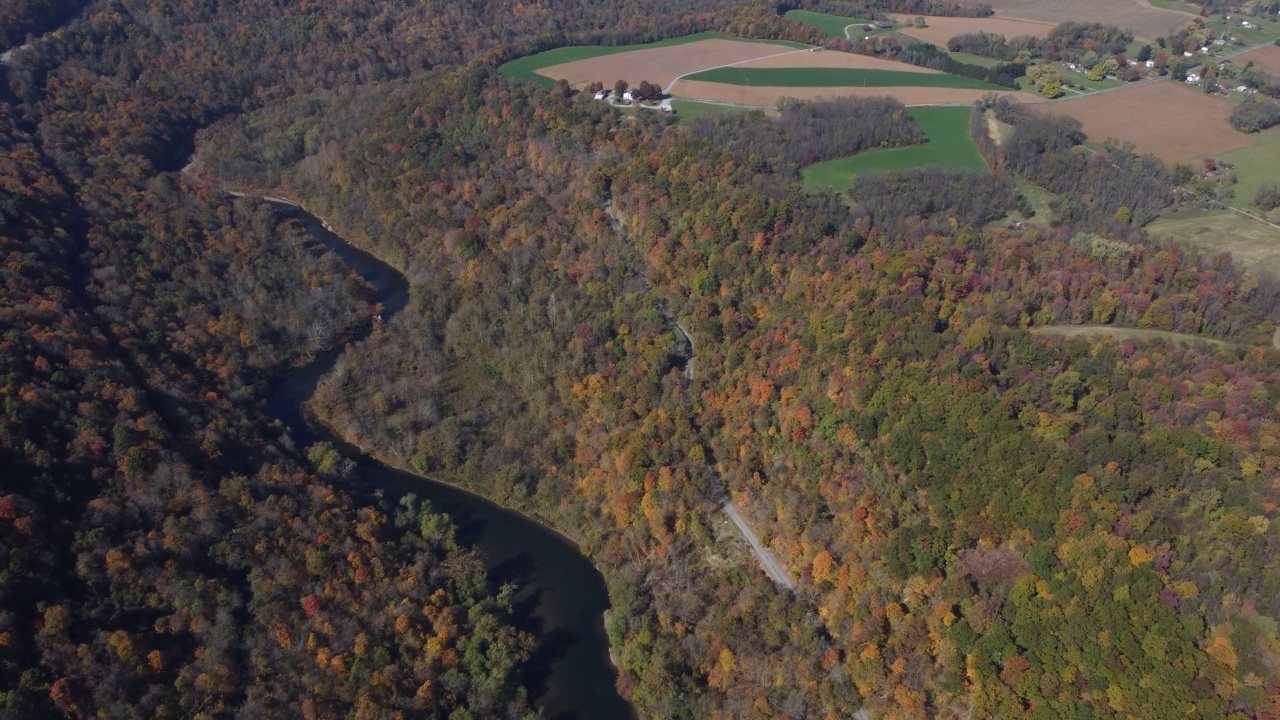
1255 116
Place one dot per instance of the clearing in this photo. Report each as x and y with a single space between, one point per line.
834 25
1267 59
835 77
1255 245
1162 118
689 110
939 30
654 62
949 145
1148 22
1121 333
1255 165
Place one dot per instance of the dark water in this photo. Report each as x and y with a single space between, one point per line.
561 597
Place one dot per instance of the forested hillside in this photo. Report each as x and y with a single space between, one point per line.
982 521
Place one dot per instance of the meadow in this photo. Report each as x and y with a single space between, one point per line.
949 146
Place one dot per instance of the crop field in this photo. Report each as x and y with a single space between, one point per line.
830 77
769 96
949 146
1161 118
1267 58
689 110
1147 21
834 60
687 53
833 25
939 30
1255 245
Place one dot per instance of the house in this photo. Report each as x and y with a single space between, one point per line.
603 94
1193 78
1186 54
626 98
884 24
1248 25
1150 63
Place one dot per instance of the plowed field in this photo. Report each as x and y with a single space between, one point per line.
941 29
745 95
661 65
1173 123
1267 58
1147 21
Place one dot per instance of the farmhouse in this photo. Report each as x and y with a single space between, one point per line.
602 94
1193 78
1150 63
884 24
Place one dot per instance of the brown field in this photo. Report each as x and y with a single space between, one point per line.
1267 58
1147 21
1171 122
942 29
830 59
744 95
661 65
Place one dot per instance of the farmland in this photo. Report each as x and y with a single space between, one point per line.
949 145
836 77
1148 22
833 25
704 50
768 96
1161 118
1254 165
938 30
1267 58
1253 244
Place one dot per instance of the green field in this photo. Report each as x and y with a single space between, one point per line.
689 110
974 59
527 67
833 25
1255 245
1255 165
1268 28
837 77
949 146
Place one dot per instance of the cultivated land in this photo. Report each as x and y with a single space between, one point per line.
1146 20
769 96
834 25
942 29
834 77
949 145
1161 118
689 110
833 59
1253 244
1267 58
660 64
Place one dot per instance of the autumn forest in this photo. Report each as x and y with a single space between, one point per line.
983 515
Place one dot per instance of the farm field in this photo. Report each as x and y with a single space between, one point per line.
1255 245
543 67
1267 58
833 59
832 25
949 145
829 77
1148 22
974 59
768 96
1161 118
941 29
689 110
1255 165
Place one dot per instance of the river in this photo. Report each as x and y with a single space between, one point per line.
562 597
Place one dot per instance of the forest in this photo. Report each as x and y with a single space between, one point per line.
982 520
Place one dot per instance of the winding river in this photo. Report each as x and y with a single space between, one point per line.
562 597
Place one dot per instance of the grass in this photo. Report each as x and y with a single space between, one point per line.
1175 5
833 25
1268 28
974 59
1256 246
1120 333
527 67
1254 166
689 110
949 146
836 77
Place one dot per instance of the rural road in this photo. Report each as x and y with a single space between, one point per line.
771 566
